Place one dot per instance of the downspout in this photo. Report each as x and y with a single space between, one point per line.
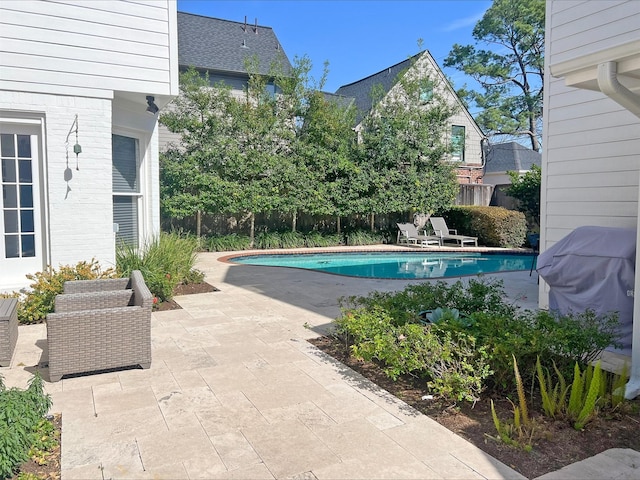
612 88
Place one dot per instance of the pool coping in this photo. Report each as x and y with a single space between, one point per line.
376 249
372 249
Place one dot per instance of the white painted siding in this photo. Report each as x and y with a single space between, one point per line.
591 154
473 134
93 47
97 60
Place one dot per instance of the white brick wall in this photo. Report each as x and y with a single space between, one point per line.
79 210
77 204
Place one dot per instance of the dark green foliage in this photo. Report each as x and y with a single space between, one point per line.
526 189
361 237
164 262
511 74
494 226
226 243
387 327
316 239
21 421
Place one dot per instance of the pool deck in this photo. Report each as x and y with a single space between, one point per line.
235 391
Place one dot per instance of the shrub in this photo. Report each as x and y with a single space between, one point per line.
21 423
487 335
317 239
494 226
226 243
292 240
39 298
165 261
267 240
559 340
451 364
362 237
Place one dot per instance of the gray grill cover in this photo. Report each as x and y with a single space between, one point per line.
593 268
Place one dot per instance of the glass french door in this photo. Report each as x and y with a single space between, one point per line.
20 207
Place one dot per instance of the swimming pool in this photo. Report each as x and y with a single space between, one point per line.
407 265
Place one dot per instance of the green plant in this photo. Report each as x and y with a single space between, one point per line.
317 239
21 417
520 430
38 299
494 226
362 237
268 240
291 240
226 243
452 364
165 261
553 394
586 390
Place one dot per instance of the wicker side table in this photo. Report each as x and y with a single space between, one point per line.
8 329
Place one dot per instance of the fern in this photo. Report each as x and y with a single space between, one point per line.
564 389
522 399
575 398
593 394
548 394
618 386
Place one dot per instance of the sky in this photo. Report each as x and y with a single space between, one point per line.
357 37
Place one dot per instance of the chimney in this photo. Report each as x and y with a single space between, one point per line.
256 27
245 24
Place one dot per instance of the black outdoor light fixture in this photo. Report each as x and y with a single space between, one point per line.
152 108
77 149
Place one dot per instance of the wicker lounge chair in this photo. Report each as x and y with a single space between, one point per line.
100 325
445 233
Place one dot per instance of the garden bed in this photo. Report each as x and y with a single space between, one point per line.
557 443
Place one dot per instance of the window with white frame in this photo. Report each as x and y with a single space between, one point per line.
457 143
127 194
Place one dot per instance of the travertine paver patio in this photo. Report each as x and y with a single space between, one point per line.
235 391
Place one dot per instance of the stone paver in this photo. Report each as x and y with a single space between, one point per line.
235 391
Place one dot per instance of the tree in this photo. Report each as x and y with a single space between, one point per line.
511 74
235 153
327 147
404 146
526 189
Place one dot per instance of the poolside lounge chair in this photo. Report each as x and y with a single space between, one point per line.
445 233
408 233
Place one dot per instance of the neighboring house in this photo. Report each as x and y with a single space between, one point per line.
591 155
463 132
221 48
79 147
501 158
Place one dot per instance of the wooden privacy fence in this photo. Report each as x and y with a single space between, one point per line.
469 194
474 194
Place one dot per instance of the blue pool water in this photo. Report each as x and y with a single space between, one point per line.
395 265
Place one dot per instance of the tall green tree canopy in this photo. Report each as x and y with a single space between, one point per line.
404 146
526 189
510 70
235 153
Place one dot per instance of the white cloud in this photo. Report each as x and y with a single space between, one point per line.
463 22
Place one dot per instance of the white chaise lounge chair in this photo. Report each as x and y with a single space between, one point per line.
408 233
445 233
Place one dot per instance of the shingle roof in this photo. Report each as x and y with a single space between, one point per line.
222 45
512 156
361 90
340 100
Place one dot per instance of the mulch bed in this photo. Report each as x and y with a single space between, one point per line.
556 443
188 289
